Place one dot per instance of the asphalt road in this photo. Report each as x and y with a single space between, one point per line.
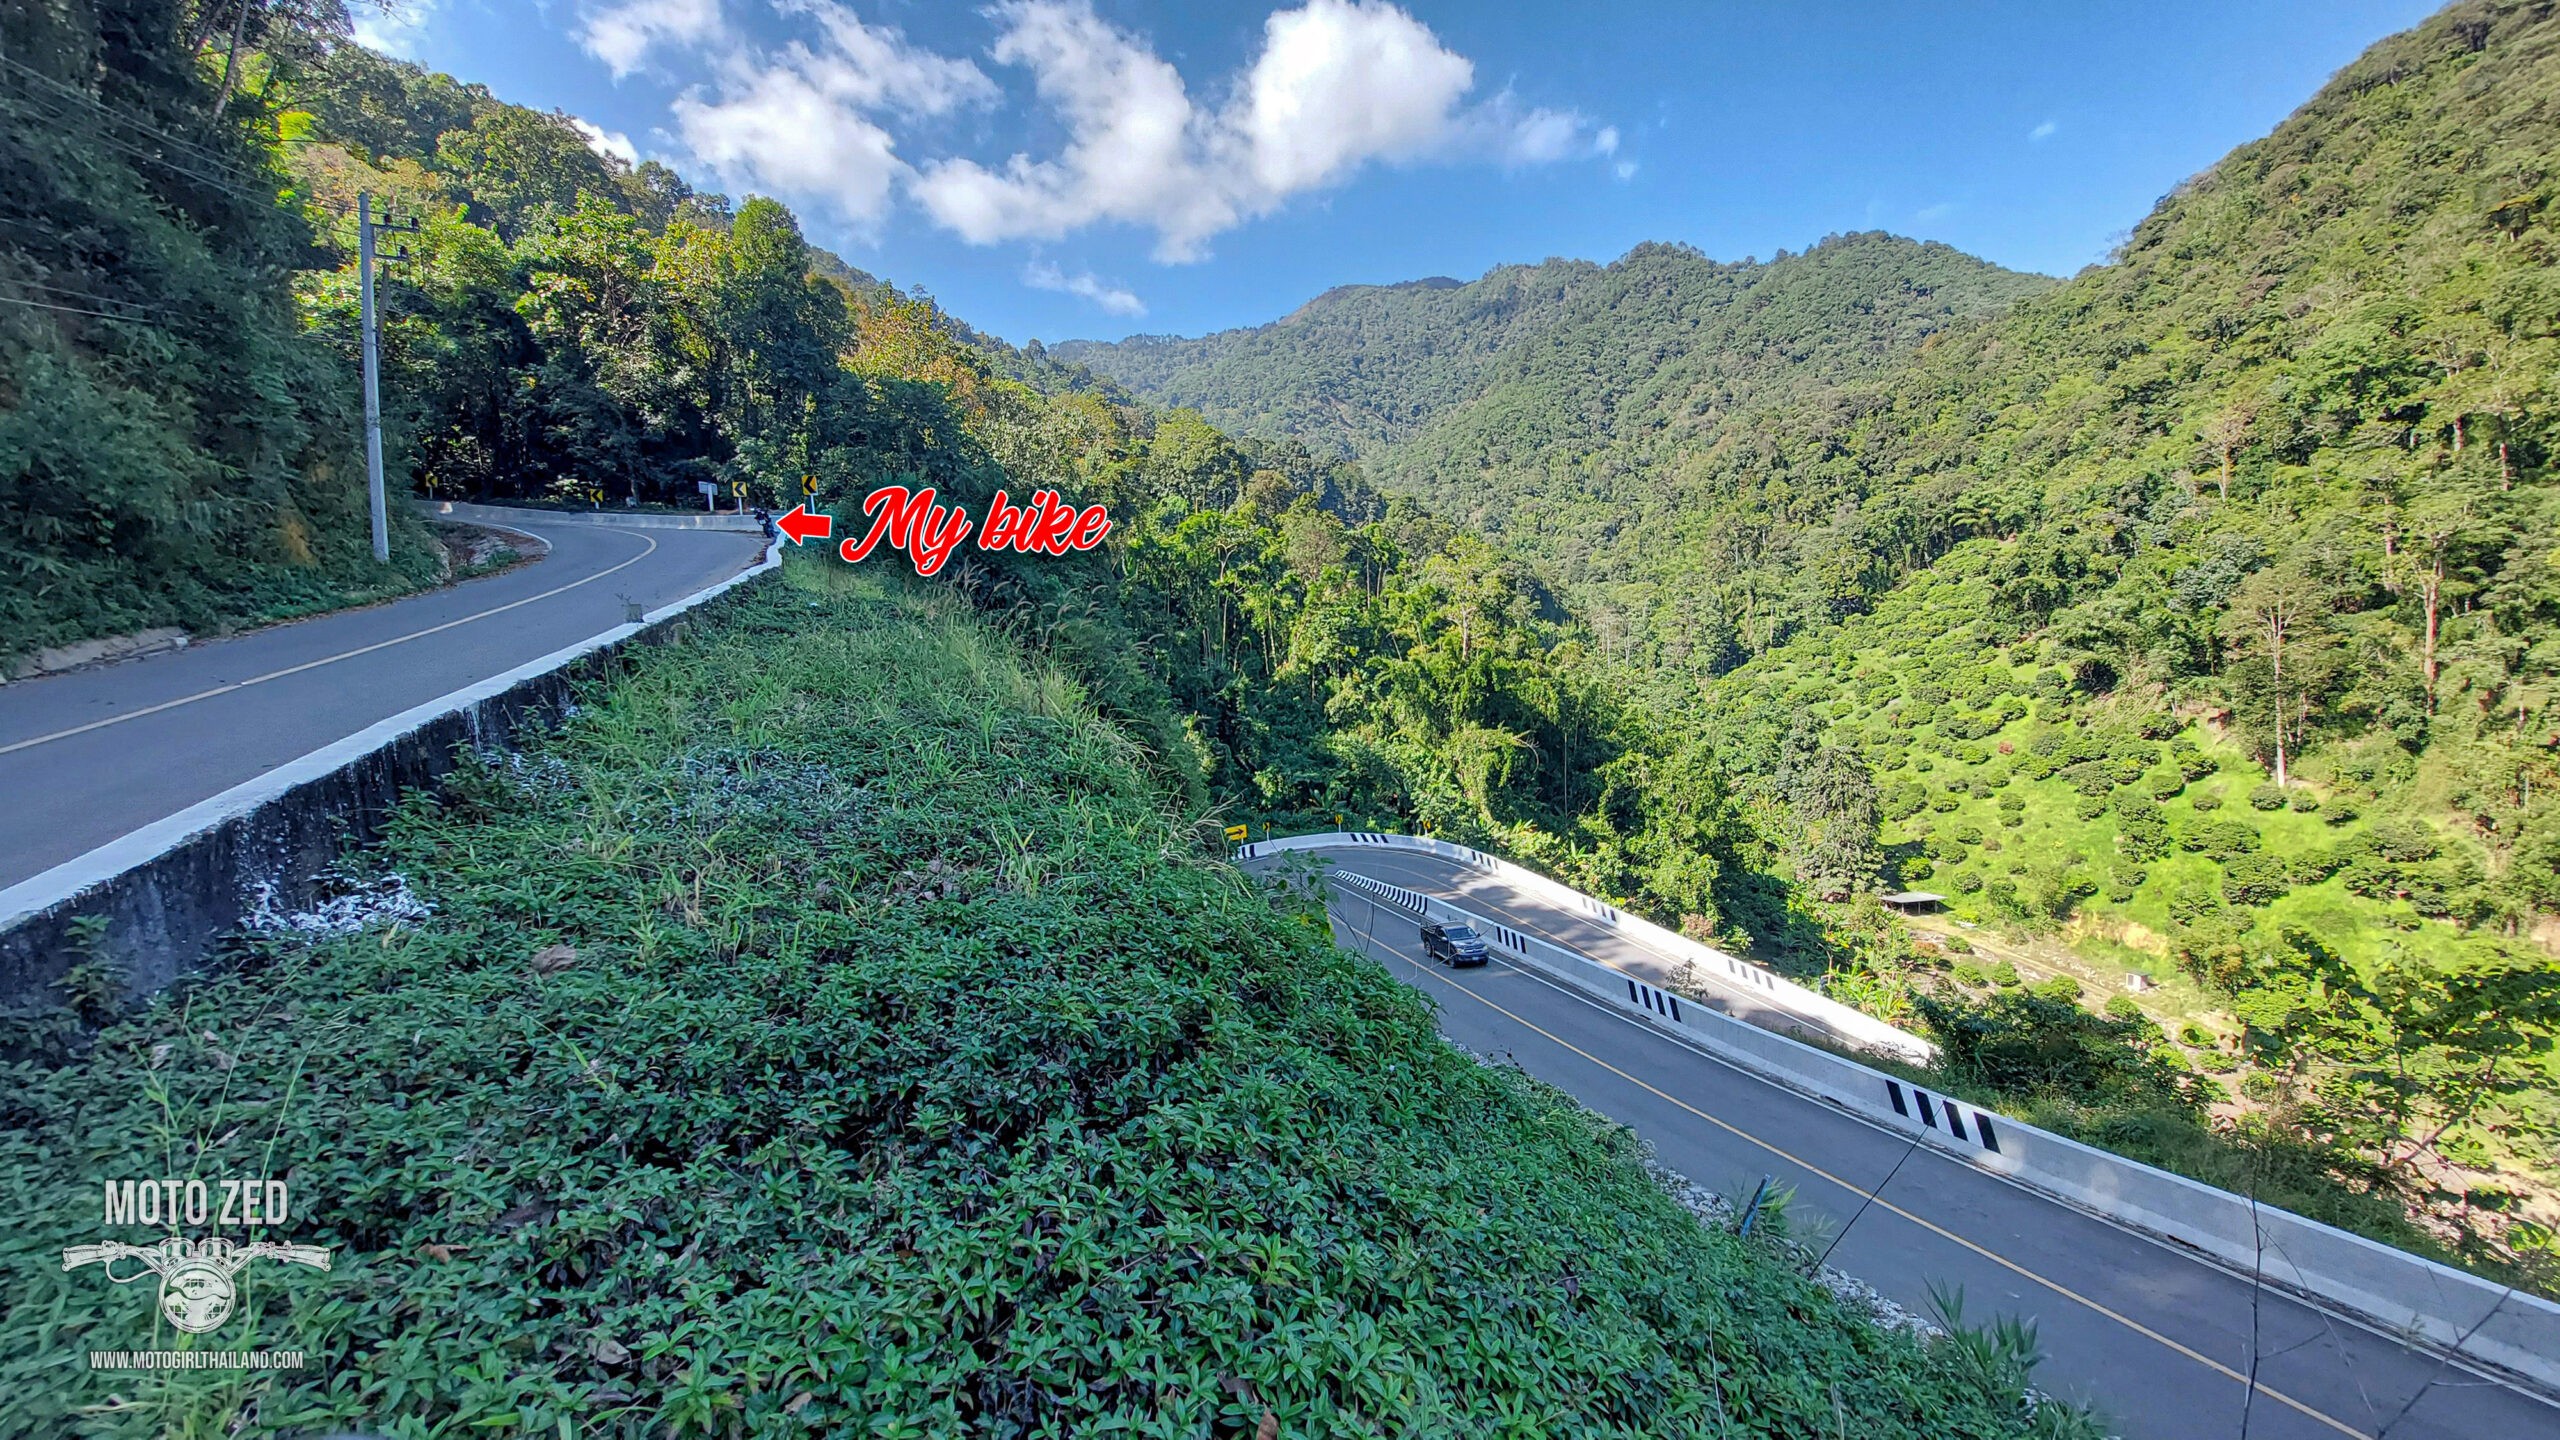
2158 1341
90 755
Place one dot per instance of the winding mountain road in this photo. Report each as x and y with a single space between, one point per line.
91 755
2162 1342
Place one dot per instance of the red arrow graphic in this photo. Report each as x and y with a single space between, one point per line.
801 525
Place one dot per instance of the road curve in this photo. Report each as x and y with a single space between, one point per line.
2157 1340
91 755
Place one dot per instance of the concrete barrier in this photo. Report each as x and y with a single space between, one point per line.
508 516
1847 1023
169 892
2432 1305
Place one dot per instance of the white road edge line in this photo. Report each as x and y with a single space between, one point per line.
81 874
1642 1022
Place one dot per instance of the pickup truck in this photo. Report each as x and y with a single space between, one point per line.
1457 946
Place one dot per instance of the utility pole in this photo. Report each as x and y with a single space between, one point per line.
372 380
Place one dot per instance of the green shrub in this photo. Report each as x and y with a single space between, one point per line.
2268 797
2343 812
2192 763
1968 973
2254 880
2305 803
1965 832
2405 842
2205 800
2012 803
2166 786
2196 1036
2090 807
1957 944
1963 882
2123 1007
2005 975
2058 987
2262 1087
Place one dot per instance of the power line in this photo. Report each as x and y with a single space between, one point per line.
75 310
198 148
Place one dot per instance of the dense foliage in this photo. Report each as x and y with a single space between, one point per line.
171 451
830 1031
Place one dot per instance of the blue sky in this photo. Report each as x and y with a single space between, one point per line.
1096 168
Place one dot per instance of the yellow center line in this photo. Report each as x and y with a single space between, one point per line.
226 689
1881 1203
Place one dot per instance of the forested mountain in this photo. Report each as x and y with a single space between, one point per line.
1537 401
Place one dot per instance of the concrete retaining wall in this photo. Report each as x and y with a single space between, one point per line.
169 892
2439 1306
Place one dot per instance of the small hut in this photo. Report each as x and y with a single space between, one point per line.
1914 902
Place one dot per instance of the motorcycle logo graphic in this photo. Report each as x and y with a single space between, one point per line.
197 1291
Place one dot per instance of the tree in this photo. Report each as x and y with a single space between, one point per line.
2269 613
1837 816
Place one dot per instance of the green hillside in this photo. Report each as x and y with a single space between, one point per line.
1533 402
1869 566
831 1025
2200 614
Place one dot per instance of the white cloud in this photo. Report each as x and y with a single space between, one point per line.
801 120
1041 275
394 32
2042 132
1624 169
623 32
607 142
1338 84
1940 211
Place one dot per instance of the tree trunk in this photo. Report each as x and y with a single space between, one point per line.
231 60
2275 666
2431 589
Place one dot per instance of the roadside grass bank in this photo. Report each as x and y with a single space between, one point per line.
55 600
828 1030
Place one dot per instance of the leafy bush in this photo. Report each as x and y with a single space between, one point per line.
2254 880
1963 882
2123 1007
2268 797
2166 786
2305 803
2343 812
2005 975
1968 973
1965 832
2205 800
2406 841
2058 987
